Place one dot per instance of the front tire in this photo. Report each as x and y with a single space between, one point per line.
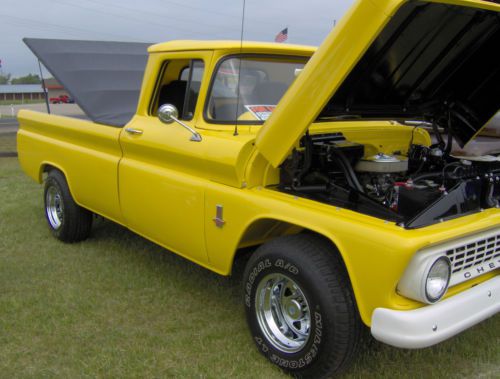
300 306
67 221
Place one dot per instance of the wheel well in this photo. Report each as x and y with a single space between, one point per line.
46 169
265 230
244 252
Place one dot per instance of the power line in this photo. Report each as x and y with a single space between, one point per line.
226 15
43 25
131 18
156 14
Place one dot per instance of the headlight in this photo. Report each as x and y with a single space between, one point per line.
438 279
426 278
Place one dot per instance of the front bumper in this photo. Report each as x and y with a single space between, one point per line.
432 324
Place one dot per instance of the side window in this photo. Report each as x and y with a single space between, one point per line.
179 85
194 75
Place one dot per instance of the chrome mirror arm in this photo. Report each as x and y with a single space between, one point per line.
168 113
196 137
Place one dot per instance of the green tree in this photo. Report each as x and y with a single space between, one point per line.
28 79
4 79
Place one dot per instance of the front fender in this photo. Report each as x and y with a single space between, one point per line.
375 252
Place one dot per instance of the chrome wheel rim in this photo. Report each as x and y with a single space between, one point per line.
283 313
54 207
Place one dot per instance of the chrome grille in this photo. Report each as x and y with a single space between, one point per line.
474 256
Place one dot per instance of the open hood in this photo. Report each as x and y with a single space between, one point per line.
103 77
397 60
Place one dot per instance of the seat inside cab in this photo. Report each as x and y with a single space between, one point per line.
180 86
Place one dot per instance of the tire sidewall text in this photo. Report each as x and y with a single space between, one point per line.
311 351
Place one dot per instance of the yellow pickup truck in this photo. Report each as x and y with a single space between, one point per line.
321 161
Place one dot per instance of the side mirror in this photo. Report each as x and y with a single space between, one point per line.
168 113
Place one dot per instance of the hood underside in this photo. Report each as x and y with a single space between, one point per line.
431 62
405 60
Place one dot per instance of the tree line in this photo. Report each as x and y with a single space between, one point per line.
27 79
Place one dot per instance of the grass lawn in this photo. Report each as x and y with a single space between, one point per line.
118 306
8 142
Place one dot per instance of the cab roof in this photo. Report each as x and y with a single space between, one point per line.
187 45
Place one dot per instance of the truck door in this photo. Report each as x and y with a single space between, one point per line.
161 175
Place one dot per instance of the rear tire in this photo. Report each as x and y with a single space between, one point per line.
67 221
300 306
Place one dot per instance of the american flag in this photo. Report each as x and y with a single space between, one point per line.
281 36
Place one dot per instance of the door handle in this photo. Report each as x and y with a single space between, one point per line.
133 131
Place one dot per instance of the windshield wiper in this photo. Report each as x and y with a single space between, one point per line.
341 117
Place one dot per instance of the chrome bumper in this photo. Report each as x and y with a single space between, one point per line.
432 324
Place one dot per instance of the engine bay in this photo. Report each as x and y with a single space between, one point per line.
418 187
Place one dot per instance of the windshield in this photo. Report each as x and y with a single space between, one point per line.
260 83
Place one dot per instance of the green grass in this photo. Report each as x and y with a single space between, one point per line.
118 306
8 142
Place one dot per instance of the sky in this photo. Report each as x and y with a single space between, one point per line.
308 22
